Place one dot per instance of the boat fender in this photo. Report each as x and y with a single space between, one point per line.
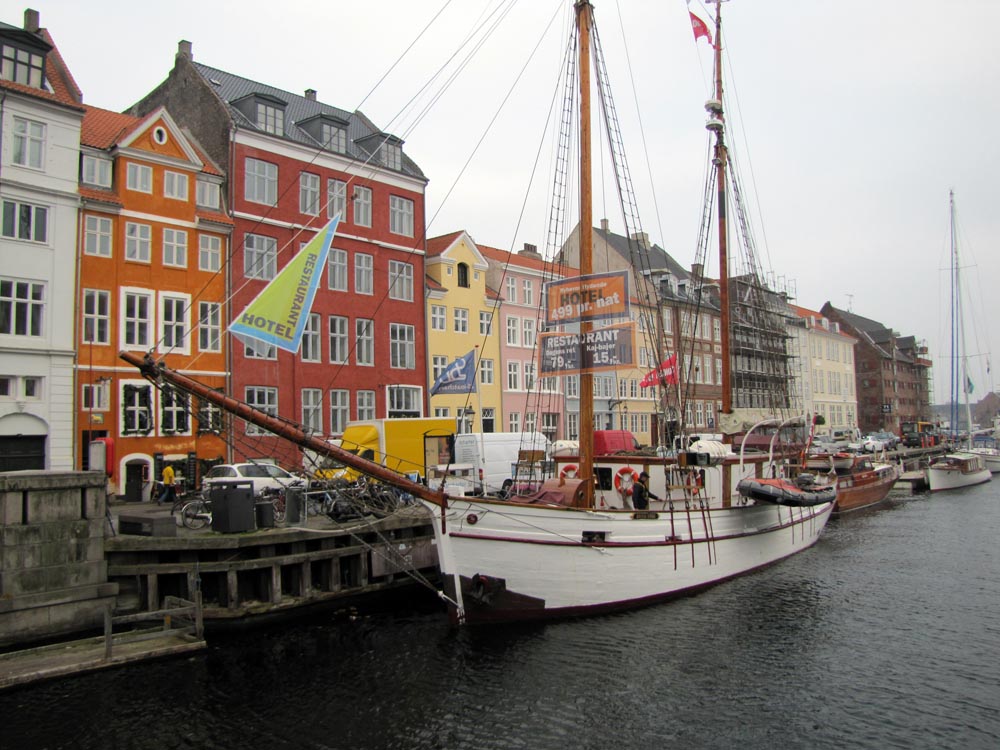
472 518
625 478
569 471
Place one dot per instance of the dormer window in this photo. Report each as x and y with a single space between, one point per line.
333 137
270 118
96 171
392 156
23 66
207 194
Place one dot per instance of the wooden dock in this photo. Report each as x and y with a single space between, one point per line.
180 632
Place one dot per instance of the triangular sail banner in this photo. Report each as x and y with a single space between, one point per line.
666 373
279 313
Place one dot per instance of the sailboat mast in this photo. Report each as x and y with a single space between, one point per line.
959 328
584 12
720 160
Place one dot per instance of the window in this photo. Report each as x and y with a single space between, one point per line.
96 171
362 206
96 316
23 221
513 376
438 363
253 349
137 323
513 331
572 386
511 289
336 199
514 421
529 376
263 399
22 305
139 177
461 320
309 194
209 252
402 346
22 66
400 281
173 324
260 257
94 396
333 137
528 290
364 273
366 404
209 417
138 242
404 401
400 216
485 322
339 342
137 409
175 242
528 332
311 348
207 194
209 326
97 236
486 375
270 119
392 155
261 182
364 346
312 410
337 270
175 185
29 143
438 316
173 411
340 409
463 275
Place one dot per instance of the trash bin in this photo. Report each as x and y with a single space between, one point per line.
265 515
232 507
295 498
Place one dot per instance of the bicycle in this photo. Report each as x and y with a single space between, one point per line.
196 514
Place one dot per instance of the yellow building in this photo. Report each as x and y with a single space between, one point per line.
461 314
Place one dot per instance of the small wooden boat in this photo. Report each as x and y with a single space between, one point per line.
956 470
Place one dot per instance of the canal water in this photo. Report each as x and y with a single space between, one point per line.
886 634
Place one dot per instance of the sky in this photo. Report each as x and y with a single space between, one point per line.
850 122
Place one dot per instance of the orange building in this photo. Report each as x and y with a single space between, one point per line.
153 240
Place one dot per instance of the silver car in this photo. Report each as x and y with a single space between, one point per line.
264 476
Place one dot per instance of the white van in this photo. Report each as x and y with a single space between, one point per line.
493 455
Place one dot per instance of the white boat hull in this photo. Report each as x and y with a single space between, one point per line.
505 561
957 470
991 457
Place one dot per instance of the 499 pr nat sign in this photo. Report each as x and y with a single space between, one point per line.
601 296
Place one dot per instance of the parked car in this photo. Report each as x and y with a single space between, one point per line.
872 444
823 444
264 476
889 439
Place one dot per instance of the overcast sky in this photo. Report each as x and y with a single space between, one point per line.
850 122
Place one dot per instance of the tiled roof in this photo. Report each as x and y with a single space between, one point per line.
437 245
103 129
97 194
232 88
508 258
214 216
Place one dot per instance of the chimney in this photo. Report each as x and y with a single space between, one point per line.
32 21
697 271
642 238
311 94
530 250
184 50
604 225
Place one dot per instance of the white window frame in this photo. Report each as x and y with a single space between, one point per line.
98 236
96 171
141 337
402 346
364 347
207 194
365 404
175 324
139 177
309 193
29 143
262 398
362 206
312 410
175 247
175 185
260 182
336 270
260 262
96 328
336 199
400 215
22 301
439 317
209 252
312 346
339 339
270 118
400 280
460 320
340 409
485 322
364 273
18 216
138 242
210 326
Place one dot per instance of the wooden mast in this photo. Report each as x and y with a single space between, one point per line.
584 11
720 160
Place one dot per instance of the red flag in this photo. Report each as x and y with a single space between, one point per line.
665 373
700 28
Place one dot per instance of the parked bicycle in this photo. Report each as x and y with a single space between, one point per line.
197 513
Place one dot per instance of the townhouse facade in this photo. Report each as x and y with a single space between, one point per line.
892 373
41 116
825 374
153 233
292 164
461 312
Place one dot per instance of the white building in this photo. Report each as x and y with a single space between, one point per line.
39 168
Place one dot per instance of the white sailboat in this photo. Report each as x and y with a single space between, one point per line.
558 553
966 467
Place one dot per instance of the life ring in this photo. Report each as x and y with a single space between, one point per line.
625 478
569 471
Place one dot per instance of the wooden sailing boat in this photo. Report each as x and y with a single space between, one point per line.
557 553
960 468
